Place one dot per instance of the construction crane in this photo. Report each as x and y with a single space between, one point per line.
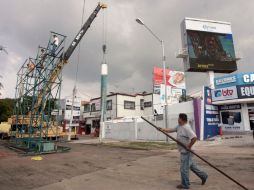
65 56
37 80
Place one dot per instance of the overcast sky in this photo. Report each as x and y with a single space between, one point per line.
132 51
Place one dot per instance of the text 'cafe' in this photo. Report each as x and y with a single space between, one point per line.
235 95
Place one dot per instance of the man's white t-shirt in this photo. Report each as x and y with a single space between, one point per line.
184 135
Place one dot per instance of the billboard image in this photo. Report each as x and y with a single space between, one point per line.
174 79
210 46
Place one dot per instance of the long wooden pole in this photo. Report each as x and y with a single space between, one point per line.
201 158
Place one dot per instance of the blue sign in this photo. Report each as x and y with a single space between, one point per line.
245 78
234 80
211 115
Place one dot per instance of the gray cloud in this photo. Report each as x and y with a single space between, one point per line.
132 51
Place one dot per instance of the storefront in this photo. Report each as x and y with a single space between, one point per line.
234 95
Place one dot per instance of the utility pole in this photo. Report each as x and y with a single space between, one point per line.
74 92
104 78
139 21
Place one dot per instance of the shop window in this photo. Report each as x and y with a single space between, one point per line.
147 104
68 107
129 105
141 104
86 108
109 105
93 109
76 108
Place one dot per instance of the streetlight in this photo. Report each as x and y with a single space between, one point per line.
138 20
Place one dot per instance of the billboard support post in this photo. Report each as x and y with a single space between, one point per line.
211 78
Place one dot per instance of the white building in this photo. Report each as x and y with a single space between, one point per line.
65 112
120 105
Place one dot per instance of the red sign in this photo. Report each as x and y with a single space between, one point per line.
158 76
227 92
173 78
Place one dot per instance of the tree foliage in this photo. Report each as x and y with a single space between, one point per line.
6 108
1 86
185 98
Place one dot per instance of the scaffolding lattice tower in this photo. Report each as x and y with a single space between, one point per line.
35 123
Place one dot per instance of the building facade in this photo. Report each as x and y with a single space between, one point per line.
121 105
65 113
234 94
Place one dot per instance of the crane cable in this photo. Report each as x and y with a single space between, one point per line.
74 92
104 35
77 67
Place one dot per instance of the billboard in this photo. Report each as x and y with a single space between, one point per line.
210 46
221 94
175 81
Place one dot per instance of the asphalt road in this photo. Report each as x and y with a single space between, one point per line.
92 166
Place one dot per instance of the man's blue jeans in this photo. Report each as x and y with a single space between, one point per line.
186 166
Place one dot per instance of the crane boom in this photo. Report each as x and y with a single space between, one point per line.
82 31
68 53
40 104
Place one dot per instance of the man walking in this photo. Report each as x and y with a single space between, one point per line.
186 136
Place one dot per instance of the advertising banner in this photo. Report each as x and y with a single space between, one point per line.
245 78
231 118
158 76
210 46
245 91
224 94
225 81
175 79
211 115
162 93
76 107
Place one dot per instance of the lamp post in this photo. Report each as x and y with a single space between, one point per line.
164 69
